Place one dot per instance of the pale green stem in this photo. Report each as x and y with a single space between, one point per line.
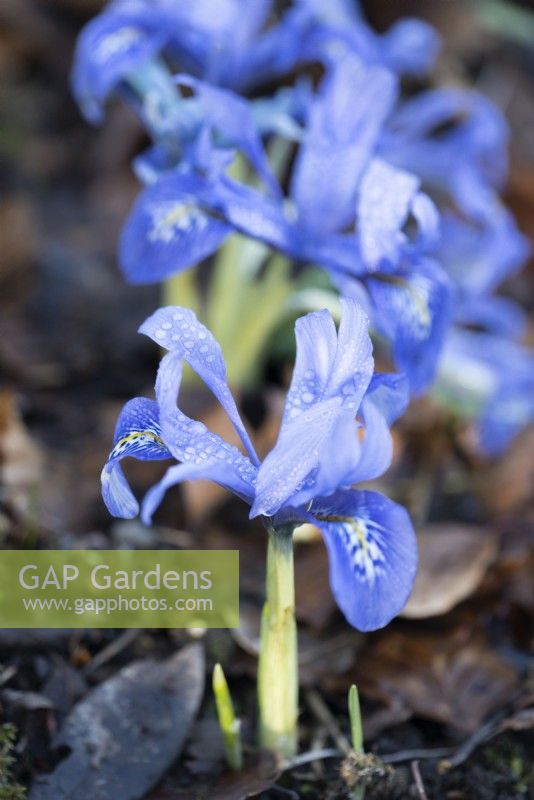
228 722
182 290
278 668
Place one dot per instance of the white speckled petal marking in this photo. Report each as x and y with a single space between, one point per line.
169 218
117 42
364 542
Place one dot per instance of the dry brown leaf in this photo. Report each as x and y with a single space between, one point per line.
21 459
452 562
455 678
19 248
314 599
508 484
124 735
257 776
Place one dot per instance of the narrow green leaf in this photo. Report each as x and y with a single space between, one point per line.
355 719
229 724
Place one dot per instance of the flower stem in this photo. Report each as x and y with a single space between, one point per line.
278 668
181 290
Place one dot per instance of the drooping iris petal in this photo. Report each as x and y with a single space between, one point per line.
413 311
489 378
372 552
137 434
491 313
179 331
111 46
317 448
167 231
208 199
216 470
341 136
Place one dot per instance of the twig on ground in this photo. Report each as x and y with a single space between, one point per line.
419 755
483 734
310 757
113 649
324 715
418 780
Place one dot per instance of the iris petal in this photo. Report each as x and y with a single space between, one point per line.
373 555
167 231
317 449
413 311
138 434
113 45
341 137
179 331
217 471
385 198
231 116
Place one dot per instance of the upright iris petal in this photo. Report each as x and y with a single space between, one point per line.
340 137
328 385
387 197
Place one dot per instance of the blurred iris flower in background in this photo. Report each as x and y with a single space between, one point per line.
396 197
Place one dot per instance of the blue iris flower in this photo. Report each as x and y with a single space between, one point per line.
334 434
484 370
229 43
350 211
224 42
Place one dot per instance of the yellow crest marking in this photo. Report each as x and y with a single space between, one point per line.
356 526
132 437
